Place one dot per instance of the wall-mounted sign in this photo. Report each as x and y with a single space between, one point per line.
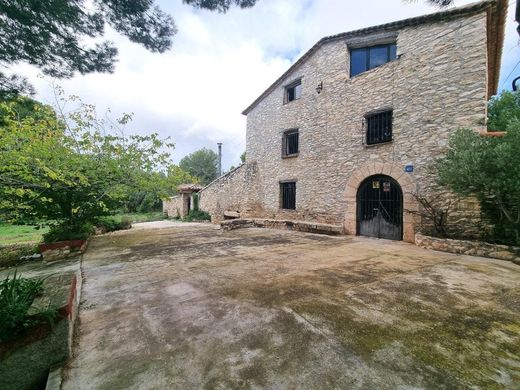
375 184
408 168
386 186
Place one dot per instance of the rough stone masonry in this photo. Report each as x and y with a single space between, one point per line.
445 70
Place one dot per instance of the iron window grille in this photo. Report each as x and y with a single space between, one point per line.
288 195
378 127
293 91
366 58
290 143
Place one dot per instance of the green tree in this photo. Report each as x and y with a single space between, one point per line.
71 169
488 168
243 157
201 164
155 186
502 109
53 34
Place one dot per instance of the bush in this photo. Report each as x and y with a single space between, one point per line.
110 224
68 232
16 297
197 216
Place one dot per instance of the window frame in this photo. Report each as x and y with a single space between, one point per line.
285 135
367 50
293 84
366 128
281 185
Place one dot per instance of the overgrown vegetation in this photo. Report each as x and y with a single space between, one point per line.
71 169
195 213
69 232
198 215
110 224
16 297
489 168
434 213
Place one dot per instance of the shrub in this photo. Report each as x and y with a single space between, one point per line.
16 297
68 232
110 224
197 216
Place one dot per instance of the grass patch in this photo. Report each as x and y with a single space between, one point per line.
14 234
140 217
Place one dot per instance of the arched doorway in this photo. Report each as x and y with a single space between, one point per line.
380 208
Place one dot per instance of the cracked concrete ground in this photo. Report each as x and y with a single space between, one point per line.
190 306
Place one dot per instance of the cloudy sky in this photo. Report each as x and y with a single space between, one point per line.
220 63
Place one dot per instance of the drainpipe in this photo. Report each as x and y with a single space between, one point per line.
219 159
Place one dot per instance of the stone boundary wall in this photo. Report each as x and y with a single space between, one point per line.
300 226
472 248
172 206
235 192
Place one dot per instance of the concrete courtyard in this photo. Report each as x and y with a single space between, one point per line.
189 306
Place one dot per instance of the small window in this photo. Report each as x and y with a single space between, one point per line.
293 91
288 195
290 143
379 127
367 58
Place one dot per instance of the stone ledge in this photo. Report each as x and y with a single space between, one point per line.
472 248
300 226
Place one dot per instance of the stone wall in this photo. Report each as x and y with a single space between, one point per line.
473 248
234 193
437 84
172 206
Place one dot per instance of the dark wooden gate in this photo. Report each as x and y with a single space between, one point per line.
380 208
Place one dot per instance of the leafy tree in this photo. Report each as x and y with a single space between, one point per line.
155 186
201 164
243 157
488 168
502 109
53 34
70 169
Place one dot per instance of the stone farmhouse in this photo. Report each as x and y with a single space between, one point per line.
344 138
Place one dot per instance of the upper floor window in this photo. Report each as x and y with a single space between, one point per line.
288 195
293 91
290 141
367 58
379 127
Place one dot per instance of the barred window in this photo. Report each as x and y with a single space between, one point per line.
290 142
288 195
379 127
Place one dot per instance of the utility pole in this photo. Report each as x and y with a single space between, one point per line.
219 158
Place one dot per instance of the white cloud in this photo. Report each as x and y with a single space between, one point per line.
220 63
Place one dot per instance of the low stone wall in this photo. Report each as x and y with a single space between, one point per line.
173 206
235 192
300 226
25 360
473 248
62 249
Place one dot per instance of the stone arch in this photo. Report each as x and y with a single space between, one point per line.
408 186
